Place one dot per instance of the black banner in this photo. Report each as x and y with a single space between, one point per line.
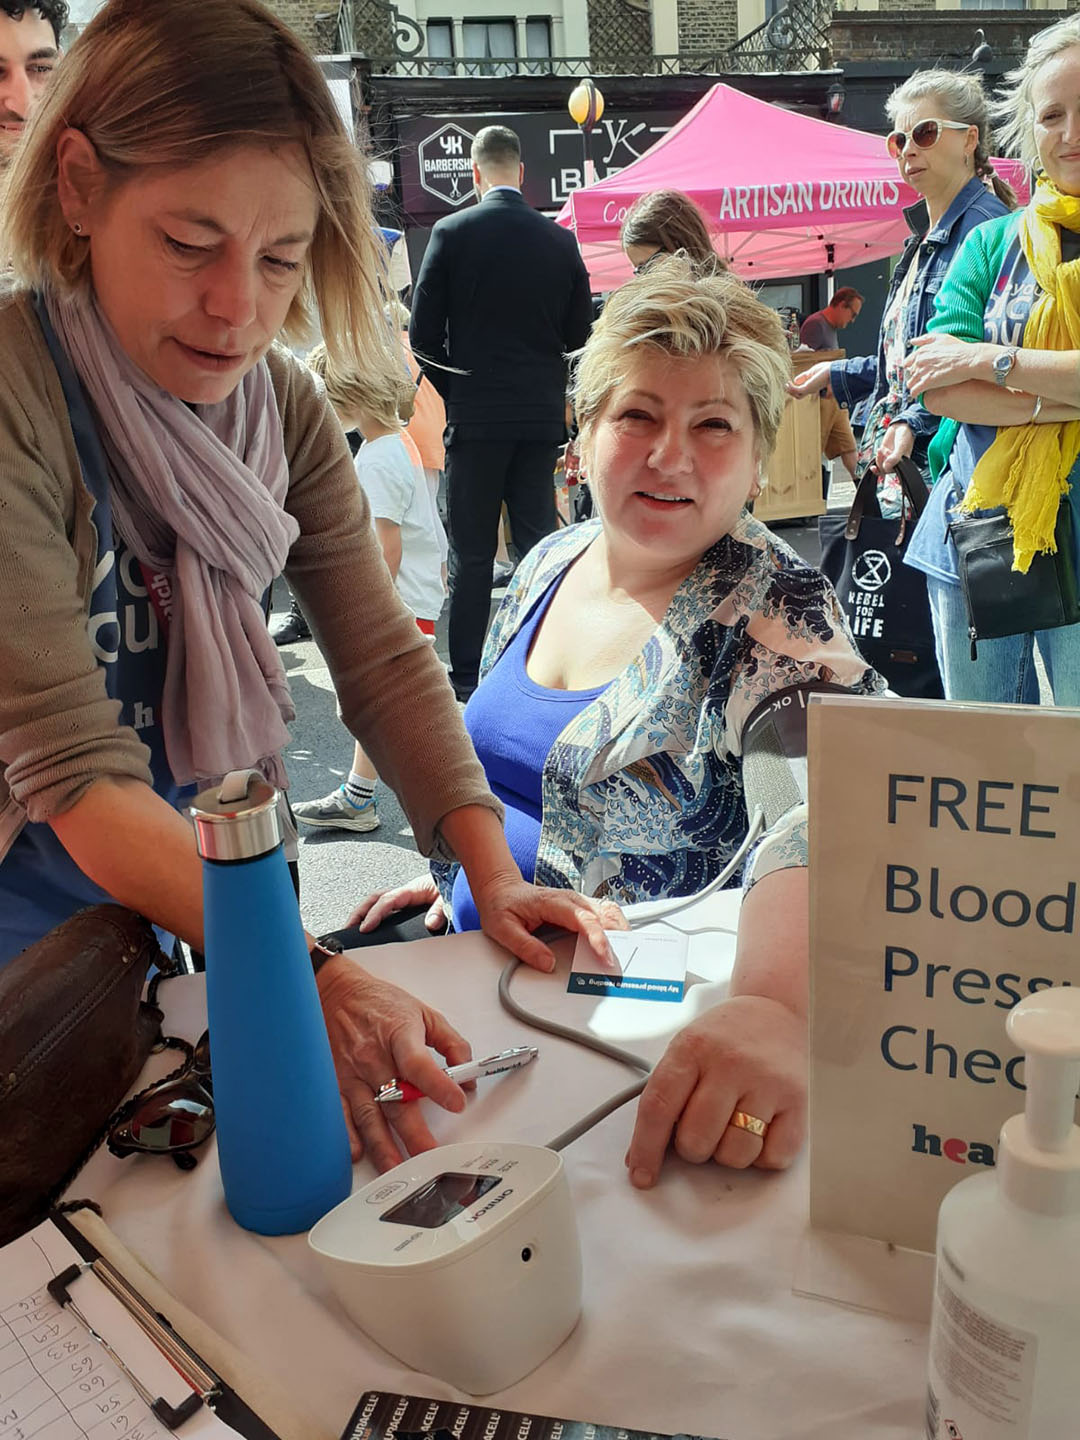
436 173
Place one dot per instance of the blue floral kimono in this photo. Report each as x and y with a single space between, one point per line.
642 791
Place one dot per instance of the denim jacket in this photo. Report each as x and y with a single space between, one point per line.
864 378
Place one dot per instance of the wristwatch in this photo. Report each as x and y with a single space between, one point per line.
1004 363
327 947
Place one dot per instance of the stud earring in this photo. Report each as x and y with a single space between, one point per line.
77 228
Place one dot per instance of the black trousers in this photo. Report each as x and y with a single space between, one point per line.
480 476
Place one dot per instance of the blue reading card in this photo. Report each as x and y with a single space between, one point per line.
651 961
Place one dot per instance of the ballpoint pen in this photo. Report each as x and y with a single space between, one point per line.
474 1070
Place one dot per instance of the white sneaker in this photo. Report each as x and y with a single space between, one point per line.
337 811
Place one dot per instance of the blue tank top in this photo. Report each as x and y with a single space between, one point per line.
513 723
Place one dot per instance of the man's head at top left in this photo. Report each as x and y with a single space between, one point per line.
29 50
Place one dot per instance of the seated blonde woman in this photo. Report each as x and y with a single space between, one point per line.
627 656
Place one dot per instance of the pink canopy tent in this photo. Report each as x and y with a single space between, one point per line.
786 194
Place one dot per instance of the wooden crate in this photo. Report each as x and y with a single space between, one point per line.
794 487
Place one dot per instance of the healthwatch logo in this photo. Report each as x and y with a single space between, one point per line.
960 1152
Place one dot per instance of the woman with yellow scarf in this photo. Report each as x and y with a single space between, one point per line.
1002 361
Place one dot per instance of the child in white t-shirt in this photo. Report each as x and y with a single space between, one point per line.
406 519
410 534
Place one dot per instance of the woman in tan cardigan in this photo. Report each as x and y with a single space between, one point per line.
186 195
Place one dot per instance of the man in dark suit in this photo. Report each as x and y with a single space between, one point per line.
501 297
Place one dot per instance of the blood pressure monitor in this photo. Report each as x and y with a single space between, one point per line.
463 1261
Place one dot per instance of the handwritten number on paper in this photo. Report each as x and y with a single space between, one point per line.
56 1381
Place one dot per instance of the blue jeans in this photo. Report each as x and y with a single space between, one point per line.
1005 669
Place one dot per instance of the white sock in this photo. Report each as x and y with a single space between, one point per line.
359 788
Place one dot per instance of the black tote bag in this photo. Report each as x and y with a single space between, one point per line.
884 600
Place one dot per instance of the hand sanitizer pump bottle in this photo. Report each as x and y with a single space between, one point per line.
282 1143
1005 1336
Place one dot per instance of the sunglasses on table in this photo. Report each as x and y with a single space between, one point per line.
925 135
176 1113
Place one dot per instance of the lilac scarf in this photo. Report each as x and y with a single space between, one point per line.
198 493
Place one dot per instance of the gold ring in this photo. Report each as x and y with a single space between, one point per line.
742 1121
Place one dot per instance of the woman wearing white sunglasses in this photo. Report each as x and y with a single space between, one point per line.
1002 361
939 143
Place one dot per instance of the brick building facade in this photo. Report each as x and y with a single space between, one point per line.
624 34
920 33
707 25
300 15
621 32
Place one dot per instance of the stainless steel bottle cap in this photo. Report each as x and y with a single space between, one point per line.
243 824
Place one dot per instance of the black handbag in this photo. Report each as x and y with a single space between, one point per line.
884 600
1003 601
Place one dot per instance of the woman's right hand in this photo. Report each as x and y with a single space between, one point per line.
370 913
897 443
380 1032
815 381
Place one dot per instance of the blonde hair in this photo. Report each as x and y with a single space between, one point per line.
388 397
1014 112
963 99
675 309
163 84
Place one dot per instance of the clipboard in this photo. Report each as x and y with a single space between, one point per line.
208 1387
208 1376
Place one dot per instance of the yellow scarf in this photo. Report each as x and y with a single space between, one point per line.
1026 468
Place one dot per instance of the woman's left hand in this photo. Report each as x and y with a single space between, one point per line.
511 909
747 1053
379 1032
935 361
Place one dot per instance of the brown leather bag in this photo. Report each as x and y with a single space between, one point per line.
74 1034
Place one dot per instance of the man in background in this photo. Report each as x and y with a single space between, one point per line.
501 297
820 330
29 51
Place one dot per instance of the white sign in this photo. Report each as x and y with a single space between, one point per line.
944 871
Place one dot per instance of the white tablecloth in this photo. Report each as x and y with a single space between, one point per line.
689 1322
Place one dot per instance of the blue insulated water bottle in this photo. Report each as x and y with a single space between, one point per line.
282 1143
